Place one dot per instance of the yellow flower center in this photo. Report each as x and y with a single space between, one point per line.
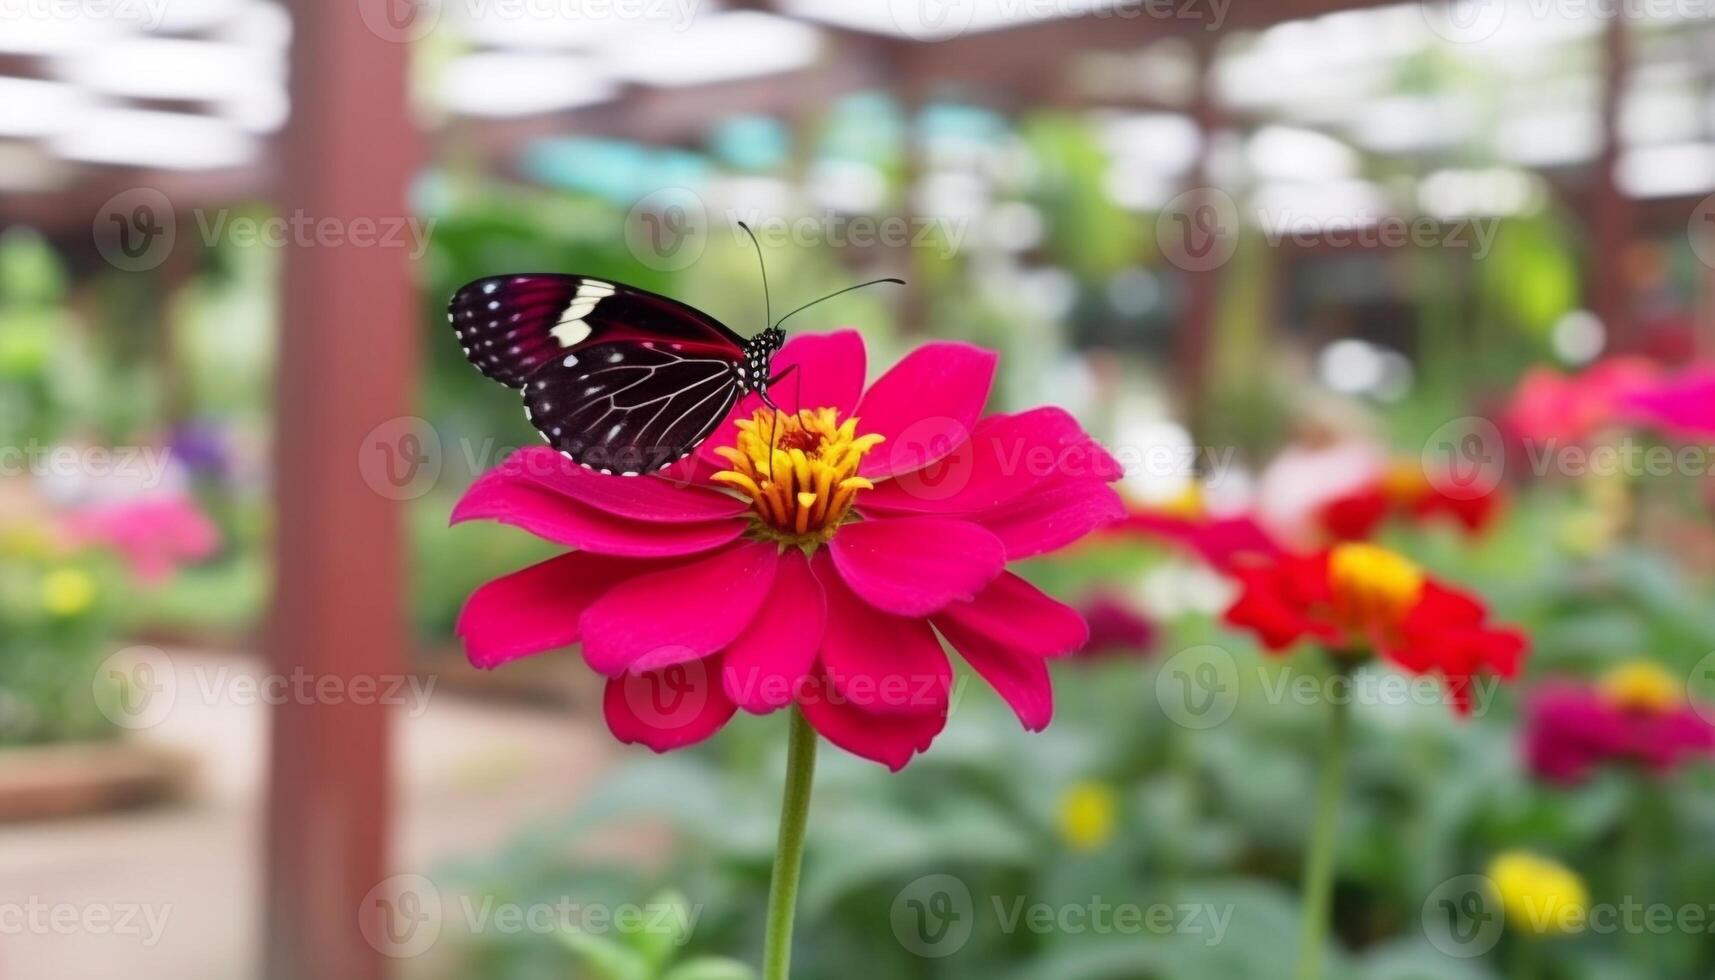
1373 587
1643 686
799 471
1087 814
1538 895
1404 481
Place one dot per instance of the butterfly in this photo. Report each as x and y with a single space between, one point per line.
618 379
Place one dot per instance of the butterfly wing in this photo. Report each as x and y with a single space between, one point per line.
513 326
630 407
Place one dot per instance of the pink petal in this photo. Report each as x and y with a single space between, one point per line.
1021 679
668 708
679 613
891 741
768 663
639 498
881 663
1006 457
529 505
1056 515
1017 615
926 406
829 373
1005 633
537 609
912 566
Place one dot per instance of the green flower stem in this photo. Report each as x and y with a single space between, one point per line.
1527 958
1319 861
789 851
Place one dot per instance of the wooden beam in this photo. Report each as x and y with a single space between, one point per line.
347 361
1611 229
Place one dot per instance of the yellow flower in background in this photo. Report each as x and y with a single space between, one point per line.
1087 815
1538 895
67 592
25 541
1644 686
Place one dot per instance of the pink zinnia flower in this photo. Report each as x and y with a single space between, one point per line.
1548 405
818 574
1637 715
1683 405
154 536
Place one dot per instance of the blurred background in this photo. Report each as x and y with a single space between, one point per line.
1440 274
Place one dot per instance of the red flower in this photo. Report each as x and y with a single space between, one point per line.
815 572
1405 491
1355 599
1221 542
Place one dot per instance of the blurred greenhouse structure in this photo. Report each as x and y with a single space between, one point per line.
1270 255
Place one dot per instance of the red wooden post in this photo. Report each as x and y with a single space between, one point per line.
347 353
1202 281
1611 212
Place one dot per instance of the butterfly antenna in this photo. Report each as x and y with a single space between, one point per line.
767 304
836 292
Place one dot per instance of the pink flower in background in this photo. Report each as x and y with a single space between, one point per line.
810 558
1549 405
1116 627
1636 715
1683 405
155 536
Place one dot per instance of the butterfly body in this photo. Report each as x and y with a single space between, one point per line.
618 379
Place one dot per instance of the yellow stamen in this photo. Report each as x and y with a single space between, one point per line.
1643 686
799 472
1373 588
